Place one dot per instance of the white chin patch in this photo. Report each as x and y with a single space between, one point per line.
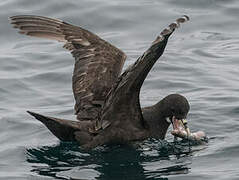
168 120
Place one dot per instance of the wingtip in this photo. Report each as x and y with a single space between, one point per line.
13 18
183 19
186 17
171 27
175 25
13 22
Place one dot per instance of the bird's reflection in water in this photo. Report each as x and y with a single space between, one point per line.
150 160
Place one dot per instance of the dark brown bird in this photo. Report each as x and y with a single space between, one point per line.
107 103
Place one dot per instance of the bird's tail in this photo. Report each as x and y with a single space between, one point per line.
61 128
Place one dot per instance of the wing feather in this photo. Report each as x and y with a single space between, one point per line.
97 63
123 100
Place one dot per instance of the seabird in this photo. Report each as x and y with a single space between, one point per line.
107 105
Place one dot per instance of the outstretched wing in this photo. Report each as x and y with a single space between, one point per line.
97 63
123 104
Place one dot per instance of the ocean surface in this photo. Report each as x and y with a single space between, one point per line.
200 62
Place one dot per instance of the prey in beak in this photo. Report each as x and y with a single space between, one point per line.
180 128
176 110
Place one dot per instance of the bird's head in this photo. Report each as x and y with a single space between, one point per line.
175 111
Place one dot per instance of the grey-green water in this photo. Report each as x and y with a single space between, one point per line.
200 62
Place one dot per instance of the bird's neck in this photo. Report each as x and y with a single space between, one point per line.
154 117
